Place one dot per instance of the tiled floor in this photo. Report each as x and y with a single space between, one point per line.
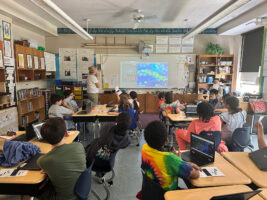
128 176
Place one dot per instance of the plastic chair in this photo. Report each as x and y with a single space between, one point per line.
105 166
151 189
212 135
241 140
83 185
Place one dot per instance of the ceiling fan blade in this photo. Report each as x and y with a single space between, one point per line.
150 17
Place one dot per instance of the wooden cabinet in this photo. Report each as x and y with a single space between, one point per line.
214 66
30 106
28 64
149 102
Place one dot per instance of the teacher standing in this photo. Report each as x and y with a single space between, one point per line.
92 85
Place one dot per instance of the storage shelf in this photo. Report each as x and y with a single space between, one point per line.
206 83
31 98
207 65
23 69
207 74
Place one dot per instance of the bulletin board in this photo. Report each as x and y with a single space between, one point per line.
178 72
8 120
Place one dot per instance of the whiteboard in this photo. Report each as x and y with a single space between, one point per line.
178 73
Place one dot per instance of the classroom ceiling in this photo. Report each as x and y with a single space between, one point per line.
169 13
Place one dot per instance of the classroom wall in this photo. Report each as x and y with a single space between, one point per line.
265 89
230 44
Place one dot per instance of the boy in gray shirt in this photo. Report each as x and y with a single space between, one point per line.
59 108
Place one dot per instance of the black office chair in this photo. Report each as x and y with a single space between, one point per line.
136 132
151 189
102 166
240 140
82 187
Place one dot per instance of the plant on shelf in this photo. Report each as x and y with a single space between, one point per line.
214 49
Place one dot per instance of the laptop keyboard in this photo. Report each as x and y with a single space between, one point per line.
83 112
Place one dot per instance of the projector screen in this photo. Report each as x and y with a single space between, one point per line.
143 74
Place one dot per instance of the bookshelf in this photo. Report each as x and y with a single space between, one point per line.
210 67
31 105
29 64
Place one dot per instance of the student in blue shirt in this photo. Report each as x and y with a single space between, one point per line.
125 106
214 98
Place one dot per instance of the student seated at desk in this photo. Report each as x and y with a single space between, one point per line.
65 162
59 108
162 99
170 106
234 118
112 138
213 98
161 166
133 101
125 106
207 122
71 103
221 105
260 133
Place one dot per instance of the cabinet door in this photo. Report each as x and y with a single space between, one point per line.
152 103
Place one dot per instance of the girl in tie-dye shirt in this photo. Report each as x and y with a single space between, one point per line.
164 167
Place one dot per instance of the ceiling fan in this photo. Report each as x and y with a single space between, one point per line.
138 17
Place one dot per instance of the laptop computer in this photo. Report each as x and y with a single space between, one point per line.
29 133
31 163
88 108
259 157
237 196
202 150
191 111
37 130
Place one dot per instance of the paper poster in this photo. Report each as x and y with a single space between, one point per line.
188 45
85 59
175 40
174 48
21 60
67 63
10 83
12 172
9 61
7 48
42 63
36 62
161 48
1 59
162 39
50 62
6 30
29 61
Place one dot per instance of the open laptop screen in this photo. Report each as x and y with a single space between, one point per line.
202 145
191 109
37 129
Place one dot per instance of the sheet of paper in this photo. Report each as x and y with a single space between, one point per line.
210 171
161 48
162 39
9 173
174 48
175 40
50 62
67 63
85 59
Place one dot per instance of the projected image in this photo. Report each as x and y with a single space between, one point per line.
152 75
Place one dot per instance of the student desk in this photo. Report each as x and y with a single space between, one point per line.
207 193
178 120
99 113
263 194
29 184
232 175
241 161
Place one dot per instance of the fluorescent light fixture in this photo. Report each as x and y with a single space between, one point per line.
52 9
219 14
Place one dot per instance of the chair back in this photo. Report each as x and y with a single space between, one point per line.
151 189
212 135
83 185
240 139
101 165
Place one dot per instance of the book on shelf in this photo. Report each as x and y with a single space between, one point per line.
24 121
22 94
30 106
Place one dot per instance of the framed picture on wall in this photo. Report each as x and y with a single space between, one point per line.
7 30
7 48
36 63
29 61
21 60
